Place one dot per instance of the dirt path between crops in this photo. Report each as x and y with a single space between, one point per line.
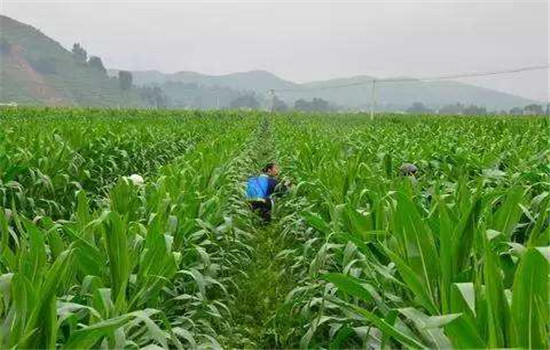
258 311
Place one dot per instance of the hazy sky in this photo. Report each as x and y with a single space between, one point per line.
307 40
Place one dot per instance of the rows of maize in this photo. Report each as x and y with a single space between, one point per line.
456 257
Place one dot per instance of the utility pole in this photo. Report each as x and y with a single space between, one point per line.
271 101
373 99
218 102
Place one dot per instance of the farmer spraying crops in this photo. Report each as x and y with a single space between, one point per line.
260 190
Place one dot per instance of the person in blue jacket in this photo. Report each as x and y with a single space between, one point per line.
260 190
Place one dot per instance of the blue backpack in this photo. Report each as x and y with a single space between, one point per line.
256 188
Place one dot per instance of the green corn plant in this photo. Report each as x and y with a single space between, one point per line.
445 253
130 246
456 257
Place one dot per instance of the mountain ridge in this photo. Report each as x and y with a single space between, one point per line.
397 95
36 69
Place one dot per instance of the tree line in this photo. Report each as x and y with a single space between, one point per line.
250 101
152 95
463 109
81 55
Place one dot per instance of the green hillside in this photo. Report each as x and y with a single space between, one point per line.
401 95
395 96
195 90
256 80
39 71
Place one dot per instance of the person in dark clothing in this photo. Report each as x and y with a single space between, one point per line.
261 189
263 209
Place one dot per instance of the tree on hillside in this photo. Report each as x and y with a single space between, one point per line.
475 110
154 96
96 63
125 80
315 105
453 109
320 105
245 101
533 109
301 105
516 111
418 108
79 53
279 105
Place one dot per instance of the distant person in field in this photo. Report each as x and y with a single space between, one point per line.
261 189
409 170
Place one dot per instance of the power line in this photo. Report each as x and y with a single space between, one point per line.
374 82
418 80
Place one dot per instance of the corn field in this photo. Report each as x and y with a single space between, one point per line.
357 256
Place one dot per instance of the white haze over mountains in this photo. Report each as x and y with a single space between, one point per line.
308 40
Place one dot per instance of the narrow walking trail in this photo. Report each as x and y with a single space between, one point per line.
262 293
266 281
